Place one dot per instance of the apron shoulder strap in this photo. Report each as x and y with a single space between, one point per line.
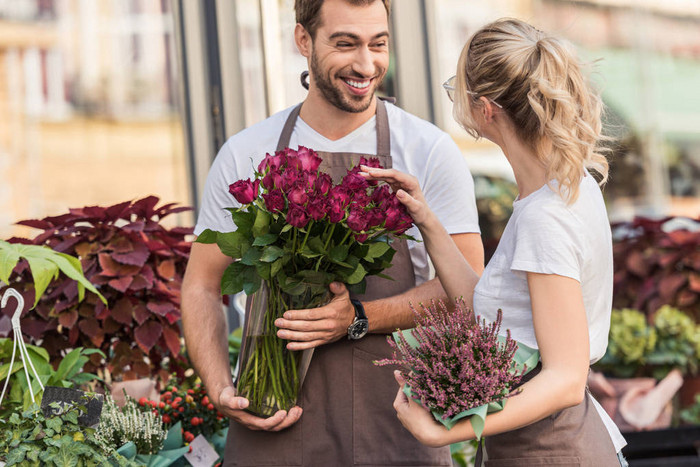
288 128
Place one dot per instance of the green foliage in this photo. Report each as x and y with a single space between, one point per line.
677 345
30 439
636 348
692 414
234 346
68 374
45 265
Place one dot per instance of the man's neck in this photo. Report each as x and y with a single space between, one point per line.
331 122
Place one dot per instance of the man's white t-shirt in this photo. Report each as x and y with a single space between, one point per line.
546 236
417 147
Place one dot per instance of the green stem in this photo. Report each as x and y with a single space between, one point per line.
308 231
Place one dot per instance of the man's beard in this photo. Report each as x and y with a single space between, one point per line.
355 104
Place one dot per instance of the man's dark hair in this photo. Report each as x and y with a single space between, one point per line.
308 12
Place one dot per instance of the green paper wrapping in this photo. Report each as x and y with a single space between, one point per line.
524 356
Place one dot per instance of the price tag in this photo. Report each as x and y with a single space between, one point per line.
202 454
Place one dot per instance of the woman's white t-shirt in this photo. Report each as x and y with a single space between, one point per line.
545 235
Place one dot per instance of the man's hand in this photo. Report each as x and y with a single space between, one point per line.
233 407
307 329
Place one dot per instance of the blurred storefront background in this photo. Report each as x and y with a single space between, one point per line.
103 101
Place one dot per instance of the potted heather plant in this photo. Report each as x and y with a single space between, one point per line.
458 366
296 232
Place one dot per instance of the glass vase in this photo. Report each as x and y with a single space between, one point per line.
269 375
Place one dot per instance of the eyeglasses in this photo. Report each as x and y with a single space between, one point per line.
449 87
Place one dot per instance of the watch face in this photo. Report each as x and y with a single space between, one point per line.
358 329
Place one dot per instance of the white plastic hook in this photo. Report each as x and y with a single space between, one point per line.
18 341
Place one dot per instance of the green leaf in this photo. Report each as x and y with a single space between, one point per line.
232 279
251 256
271 253
263 270
262 223
267 239
244 221
357 275
339 253
68 364
231 243
54 423
43 272
251 281
286 228
275 268
378 249
316 244
207 236
9 257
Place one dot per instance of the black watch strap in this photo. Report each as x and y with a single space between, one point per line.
359 308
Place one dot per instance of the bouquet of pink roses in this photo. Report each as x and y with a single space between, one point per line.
296 232
458 366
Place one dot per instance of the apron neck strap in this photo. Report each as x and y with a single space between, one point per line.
382 123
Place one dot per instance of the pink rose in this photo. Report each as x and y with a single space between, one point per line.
296 216
336 210
309 159
324 182
273 179
375 217
244 191
354 182
272 162
297 194
362 238
380 195
342 194
310 180
317 208
357 219
289 179
274 201
371 162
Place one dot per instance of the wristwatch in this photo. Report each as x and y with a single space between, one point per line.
360 325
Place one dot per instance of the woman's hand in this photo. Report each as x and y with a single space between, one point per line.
417 419
407 191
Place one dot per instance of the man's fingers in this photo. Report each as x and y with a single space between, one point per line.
338 288
297 336
305 345
291 418
399 378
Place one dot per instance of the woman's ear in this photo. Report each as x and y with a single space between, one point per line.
302 40
487 110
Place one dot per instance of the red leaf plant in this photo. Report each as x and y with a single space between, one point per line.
656 265
136 263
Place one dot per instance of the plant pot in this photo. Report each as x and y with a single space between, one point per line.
270 376
621 386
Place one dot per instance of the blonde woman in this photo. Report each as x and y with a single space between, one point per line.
552 272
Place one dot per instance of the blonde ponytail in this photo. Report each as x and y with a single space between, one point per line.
537 79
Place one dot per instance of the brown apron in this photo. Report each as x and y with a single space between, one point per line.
575 436
348 414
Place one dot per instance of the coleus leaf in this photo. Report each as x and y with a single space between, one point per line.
172 340
137 256
166 269
123 311
148 334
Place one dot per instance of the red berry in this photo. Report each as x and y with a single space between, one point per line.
166 419
189 436
190 391
154 404
210 406
205 400
161 405
189 450
143 401
181 409
178 400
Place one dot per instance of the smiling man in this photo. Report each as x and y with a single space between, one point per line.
345 415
